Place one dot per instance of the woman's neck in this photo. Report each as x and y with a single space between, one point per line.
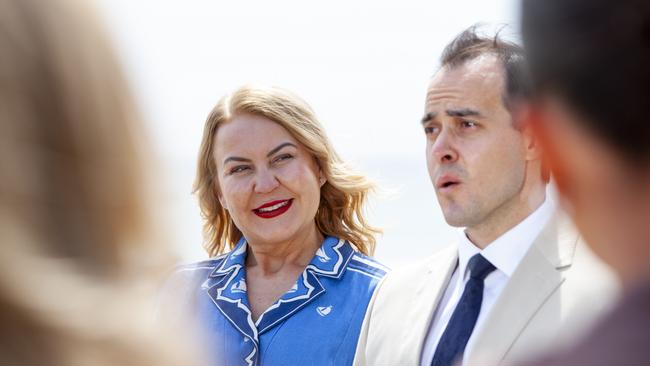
268 258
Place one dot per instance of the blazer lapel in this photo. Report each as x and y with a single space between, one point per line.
532 283
426 296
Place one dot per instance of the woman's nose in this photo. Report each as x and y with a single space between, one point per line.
265 181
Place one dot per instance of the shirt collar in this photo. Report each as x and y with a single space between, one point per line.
507 251
330 259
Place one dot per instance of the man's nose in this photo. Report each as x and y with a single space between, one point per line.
443 149
265 181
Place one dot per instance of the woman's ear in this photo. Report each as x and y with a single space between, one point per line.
222 201
322 177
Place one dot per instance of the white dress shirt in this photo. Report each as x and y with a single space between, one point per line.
505 253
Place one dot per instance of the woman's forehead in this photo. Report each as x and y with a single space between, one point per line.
251 135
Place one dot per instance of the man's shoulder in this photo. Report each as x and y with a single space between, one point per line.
589 278
406 276
573 257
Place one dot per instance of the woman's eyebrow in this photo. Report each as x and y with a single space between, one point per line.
279 147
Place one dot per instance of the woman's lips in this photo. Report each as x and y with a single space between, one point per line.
273 209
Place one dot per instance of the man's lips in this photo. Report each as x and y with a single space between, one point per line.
273 208
446 182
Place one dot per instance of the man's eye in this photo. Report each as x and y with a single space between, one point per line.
431 130
469 124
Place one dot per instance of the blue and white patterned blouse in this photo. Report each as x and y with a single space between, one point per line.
317 322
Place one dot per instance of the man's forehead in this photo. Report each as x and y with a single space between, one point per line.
484 69
475 83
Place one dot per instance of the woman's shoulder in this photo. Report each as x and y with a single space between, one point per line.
204 265
195 271
365 265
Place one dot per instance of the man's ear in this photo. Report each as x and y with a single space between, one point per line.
524 118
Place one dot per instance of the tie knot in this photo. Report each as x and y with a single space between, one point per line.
479 267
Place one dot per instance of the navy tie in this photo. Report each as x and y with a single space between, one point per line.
461 324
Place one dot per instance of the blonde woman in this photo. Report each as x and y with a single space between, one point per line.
78 265
290 277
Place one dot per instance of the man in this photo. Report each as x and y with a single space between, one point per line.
591 111
518 278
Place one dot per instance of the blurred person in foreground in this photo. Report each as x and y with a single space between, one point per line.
519 279
590 61
78 266
290 277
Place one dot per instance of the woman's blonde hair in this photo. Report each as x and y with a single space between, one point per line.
343 196
78 267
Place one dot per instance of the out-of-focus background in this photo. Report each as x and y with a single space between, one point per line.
362 65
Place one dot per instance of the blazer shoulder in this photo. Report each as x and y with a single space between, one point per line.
438 261
590 277
408 276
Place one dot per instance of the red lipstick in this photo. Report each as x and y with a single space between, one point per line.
273 209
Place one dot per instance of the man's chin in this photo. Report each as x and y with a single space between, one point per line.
455 220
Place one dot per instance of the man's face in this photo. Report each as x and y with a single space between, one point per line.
475 157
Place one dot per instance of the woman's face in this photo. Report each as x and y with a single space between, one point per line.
268 182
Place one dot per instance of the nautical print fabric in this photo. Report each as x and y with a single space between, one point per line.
317 322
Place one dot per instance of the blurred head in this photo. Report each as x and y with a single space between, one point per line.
77 265
482 163
268 171
71 136
590 111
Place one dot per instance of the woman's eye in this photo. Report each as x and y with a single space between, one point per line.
238 169
282 157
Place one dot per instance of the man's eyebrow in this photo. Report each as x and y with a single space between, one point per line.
279 147
428 117
463 112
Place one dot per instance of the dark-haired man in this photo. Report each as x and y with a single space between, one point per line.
591 111
518 278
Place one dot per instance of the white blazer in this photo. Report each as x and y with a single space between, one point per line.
551 298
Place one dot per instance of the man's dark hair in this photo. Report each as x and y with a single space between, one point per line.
595 55
469 45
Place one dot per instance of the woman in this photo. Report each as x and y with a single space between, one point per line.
78 266
294 288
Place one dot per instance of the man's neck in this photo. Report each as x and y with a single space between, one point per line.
505 217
